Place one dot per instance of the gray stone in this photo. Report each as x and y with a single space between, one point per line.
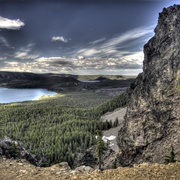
6 145
84 169
65 165
152 120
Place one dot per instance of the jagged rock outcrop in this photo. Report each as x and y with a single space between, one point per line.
13 149
89 159
152 120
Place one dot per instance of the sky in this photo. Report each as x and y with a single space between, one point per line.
76 36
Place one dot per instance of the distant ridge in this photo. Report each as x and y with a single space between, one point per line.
32 80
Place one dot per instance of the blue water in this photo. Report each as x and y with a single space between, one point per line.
9 95
86 81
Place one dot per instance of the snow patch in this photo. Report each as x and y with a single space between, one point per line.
109 138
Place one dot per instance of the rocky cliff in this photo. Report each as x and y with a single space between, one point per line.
152 120
13 149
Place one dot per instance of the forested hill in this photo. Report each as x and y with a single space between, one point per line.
52 131
59 82
32 80
58 128
10 76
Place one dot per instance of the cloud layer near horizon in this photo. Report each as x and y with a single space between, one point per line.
102 55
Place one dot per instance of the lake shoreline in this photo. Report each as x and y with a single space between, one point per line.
14 95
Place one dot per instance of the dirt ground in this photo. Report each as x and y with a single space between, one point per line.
21 170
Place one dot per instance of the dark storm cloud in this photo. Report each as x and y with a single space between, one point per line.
57 61
62 63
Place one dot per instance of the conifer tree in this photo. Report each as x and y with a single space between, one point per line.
14 151
100 148
116 122
114 165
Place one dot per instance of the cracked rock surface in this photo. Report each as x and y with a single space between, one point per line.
152 120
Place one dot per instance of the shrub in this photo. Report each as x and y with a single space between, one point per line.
171 157
14 150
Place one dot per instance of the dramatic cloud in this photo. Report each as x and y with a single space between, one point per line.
79 65
25 52
10 24
107 39
97 41
129 36
106 55
125 65
89 52
81 57
24 55
59 38
114 46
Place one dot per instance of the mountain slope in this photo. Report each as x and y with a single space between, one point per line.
32 80
152 121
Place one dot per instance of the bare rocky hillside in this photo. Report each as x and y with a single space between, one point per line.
16 170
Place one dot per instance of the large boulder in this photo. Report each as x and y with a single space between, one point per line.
13 149
152 120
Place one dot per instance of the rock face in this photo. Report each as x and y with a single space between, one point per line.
89 159
152 120
13 149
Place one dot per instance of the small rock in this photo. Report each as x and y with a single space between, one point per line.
23 171
73 172
20 164
58 173
84 169
75 177
64 165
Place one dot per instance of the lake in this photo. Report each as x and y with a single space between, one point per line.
93 81
9 95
